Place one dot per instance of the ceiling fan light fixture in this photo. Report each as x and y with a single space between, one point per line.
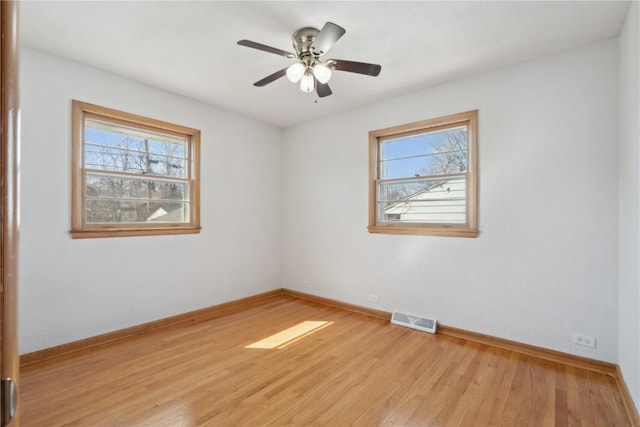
322 73
307 82
295 72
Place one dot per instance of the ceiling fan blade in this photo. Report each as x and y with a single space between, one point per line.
323 89
328 36
265 48
270 78
355 67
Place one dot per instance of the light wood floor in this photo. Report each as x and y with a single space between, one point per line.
353 370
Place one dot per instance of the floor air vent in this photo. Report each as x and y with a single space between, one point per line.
415 322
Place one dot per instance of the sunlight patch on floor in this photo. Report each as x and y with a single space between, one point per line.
286 337
174 414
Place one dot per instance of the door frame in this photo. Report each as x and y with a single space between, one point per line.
9 196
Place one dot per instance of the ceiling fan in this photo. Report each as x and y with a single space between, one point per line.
309 70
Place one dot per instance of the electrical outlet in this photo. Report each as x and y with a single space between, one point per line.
584 340
374 298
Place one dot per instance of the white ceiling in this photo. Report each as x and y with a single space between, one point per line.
190 47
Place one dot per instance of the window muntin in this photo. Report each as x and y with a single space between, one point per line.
132 175
423 177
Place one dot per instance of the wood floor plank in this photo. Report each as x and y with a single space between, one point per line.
351 370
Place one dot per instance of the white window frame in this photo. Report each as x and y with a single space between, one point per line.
82 111
470 227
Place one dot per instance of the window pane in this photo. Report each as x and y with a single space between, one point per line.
431 153
119 148
104 186
428 201
105 211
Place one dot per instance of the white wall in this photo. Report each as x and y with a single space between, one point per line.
629 328
72 289
545 264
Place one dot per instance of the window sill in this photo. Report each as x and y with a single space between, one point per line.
412 229
129 232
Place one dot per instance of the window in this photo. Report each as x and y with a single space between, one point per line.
423 177
132 175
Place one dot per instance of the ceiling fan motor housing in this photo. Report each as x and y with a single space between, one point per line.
303 40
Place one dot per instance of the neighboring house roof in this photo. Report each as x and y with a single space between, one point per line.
161 215
442 202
